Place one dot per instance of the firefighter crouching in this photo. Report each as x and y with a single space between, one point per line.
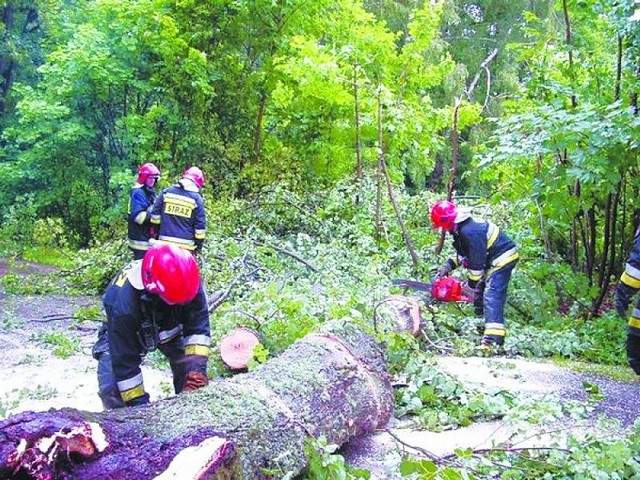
179 212
489 256
627 287
157 302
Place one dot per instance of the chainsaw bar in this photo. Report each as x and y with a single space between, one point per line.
425 287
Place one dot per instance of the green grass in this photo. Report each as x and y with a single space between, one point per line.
63 346
48 256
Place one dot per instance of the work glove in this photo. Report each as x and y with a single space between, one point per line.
468 292
199 244
102 344
194 381
462 260
623 298
445 270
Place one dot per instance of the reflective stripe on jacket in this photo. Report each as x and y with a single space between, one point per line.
484 246
125 306
138 222
181 216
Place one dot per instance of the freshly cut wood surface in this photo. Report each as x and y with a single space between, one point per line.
236 348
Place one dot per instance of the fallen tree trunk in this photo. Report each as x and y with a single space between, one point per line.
332 383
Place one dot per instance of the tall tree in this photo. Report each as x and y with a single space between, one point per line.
571 137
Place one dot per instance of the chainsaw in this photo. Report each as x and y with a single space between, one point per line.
445 289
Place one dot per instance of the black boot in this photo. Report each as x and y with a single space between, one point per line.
633 351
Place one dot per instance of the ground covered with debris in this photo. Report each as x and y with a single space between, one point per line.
46 362
45 359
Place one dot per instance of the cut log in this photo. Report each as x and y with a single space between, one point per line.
332 383
236 348
399 313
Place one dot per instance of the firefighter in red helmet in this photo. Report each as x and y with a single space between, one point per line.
179 212
143 195
627 287
489 257
157 302
195 175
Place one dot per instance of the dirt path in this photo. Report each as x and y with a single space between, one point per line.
35 374
45 359
522 377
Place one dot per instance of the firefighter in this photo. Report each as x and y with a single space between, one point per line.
489 257
139 232
157 302
179 212
143 195
627 287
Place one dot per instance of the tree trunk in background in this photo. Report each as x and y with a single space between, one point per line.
333 383
453 172
257 134
405 233
379 174
6 60
358 142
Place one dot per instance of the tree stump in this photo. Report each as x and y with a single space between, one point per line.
332 383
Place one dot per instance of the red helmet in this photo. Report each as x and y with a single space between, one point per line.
171 273
443 215
148 174
195 174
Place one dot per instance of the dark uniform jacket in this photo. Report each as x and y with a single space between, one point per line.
484 248
138 223
180 214
629 285
127 305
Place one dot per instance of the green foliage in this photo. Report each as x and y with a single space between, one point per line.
95 267
592 456
605 339
49 256
63 346
17 226
31 285
324 463
266 101
260 355
439 402
88 314
428 470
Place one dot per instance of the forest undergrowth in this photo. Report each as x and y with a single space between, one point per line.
283 263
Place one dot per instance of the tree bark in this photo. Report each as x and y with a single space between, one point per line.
405 233
358 139
332 383
379 174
